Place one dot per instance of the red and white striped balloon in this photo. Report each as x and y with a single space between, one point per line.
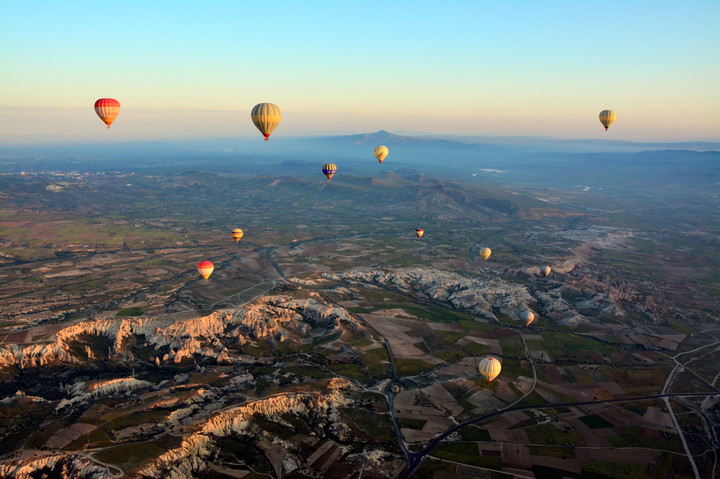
107 109
205 268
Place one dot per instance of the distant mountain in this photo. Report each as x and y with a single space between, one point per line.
533 143
385 137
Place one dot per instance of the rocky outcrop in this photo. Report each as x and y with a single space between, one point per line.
479 296
602 302
21 397
483 297
557 309
34 355
82 392
272 319
374 459
192 455
61 466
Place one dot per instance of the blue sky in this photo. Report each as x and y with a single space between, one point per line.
188 68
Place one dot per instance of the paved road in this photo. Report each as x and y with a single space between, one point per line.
680 368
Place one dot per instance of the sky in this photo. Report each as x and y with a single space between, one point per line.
189 69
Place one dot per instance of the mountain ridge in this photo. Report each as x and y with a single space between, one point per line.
495 141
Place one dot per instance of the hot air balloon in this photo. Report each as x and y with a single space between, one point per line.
607 117
205 268
266 117
107 109
237 233
419 232
329 169
485 253
489 368
381 152
527 316
545 270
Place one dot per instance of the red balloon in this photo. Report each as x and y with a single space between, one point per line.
107 109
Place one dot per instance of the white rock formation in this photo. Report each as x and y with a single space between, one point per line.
605 303
21 396
196 448
34 355
63 466
476 296
270 318
82 391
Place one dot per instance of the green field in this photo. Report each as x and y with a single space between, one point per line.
130 457
595 422
467 453
411 367
550 435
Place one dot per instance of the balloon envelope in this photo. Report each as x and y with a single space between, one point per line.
528 317
545 270
489 368
237 233
205 268
485 253
107 109
266 117
419 232
381 152
329 170
607 117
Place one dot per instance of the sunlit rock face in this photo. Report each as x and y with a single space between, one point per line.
473 295
61 466
196 449
21 397
82 392
479 296
34 355
270 319
484 297
277 318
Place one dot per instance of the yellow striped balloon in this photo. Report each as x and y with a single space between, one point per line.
489 368
381 152
237 233
266 117
485 253
607 117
